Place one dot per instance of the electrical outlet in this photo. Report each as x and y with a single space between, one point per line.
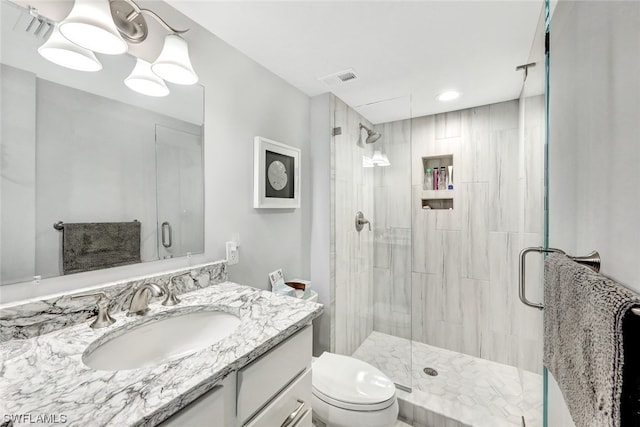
233 256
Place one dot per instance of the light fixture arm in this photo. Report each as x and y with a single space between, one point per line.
162 22
137 11
131 23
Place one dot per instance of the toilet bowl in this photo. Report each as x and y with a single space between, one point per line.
348 392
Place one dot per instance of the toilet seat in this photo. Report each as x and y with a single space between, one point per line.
353 406
351 384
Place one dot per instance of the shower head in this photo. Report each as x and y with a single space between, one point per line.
371 135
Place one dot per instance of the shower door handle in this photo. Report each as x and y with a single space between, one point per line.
167 237
591 260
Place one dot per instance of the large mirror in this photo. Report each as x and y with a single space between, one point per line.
81 149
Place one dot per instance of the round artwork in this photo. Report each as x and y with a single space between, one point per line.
277 174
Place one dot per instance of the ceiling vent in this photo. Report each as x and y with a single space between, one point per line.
339 78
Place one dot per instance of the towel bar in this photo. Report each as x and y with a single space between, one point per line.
592 261
60 225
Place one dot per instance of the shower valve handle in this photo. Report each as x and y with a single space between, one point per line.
361 221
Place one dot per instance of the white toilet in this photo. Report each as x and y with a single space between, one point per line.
348 392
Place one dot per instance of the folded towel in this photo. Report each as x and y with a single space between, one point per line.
583 339
92 246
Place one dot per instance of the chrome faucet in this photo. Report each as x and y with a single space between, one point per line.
140 299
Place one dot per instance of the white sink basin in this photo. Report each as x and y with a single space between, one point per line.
158 341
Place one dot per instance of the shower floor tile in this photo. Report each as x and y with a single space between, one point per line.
472 391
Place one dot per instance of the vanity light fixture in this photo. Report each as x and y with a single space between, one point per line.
61 51
90 25
144 81
174 64
106 26
449 95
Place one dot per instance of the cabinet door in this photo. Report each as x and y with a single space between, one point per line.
216 408
291 408
267 376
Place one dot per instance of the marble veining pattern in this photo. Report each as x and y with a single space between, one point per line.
468 391
27 319
45 374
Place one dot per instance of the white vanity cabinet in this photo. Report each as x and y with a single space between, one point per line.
277 385
272 391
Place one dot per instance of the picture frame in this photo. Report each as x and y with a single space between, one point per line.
276 175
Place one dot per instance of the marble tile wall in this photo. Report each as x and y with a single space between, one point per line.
392 232
465 260
27 319
462 292
352 188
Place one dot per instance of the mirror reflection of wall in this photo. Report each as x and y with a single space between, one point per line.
81 147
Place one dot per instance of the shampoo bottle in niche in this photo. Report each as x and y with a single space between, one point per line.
435 178
428 179
450 178
442 179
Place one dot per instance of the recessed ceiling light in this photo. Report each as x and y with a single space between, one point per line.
448 95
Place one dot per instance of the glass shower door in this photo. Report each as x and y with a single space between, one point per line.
533 129
180 191
372 263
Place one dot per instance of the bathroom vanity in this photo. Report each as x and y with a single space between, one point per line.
274 389
257 375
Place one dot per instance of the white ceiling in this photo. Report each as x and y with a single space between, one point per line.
407 50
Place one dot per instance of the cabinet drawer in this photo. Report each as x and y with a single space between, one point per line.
293 402
215 408
260 381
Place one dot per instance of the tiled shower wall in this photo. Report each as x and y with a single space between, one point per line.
351 251
463 262
392 226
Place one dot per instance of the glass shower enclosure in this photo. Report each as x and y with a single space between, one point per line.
426 289
372 263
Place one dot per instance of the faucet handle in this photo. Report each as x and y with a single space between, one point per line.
103 319
171 298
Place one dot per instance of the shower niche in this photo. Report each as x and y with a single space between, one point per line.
438 188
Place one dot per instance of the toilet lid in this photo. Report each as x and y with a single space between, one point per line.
352 381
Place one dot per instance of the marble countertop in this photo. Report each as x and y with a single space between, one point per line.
45 376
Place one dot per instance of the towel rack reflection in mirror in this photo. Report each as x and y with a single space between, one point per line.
592 261
60 225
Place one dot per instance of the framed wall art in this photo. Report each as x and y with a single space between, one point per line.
276 174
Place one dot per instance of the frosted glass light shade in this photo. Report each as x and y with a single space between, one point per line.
61 51
380 159
91 26
144 81
173 64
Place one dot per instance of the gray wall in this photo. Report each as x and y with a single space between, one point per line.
594 195
17 167
321 117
